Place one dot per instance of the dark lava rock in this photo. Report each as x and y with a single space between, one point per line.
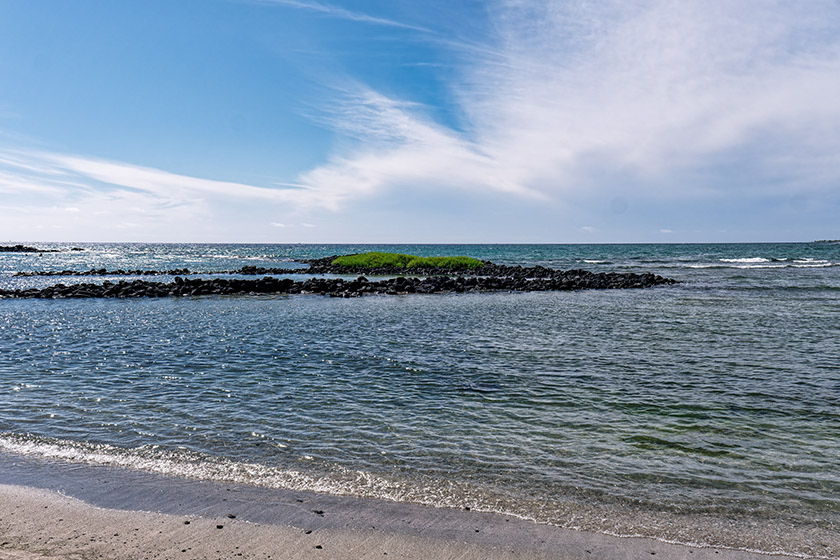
23 249
525 280
244 271
104 272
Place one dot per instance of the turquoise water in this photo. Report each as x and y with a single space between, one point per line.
706 412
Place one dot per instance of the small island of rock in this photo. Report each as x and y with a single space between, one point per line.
24 249
411 275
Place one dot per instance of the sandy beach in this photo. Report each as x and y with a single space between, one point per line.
56 510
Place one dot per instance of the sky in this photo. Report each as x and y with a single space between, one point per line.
397 121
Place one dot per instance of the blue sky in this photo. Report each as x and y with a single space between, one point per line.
403 121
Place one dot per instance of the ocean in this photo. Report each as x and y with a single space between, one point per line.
705 412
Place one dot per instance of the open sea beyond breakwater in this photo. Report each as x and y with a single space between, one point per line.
704 412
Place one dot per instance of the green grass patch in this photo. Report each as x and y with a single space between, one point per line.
398 260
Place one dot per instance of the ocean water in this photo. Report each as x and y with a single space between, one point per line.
706 412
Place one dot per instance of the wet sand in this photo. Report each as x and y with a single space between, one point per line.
61 510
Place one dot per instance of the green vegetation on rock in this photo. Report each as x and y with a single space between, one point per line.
396 260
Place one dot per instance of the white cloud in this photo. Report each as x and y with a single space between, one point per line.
156 182
588 229
398 148
665 231
341 13
681 98
94 196
57 174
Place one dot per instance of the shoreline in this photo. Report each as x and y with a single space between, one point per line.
123 513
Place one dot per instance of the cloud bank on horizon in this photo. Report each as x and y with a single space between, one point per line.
563 121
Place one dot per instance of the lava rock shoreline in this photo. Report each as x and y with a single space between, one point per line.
557 280
24 249
118 272
245 271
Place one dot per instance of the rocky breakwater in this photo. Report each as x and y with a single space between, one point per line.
24 249
105 272
522 281
519 275
245 271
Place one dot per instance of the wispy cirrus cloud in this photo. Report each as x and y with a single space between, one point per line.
571 98
96 195
155 182
398 147
22 172
341 13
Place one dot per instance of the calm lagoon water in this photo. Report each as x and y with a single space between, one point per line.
706 412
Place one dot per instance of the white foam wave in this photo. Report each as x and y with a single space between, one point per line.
151 458
340 481
744 266
739 266
242 258
746 260
823 264
809 260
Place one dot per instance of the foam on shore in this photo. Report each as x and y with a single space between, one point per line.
153 480
50 509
